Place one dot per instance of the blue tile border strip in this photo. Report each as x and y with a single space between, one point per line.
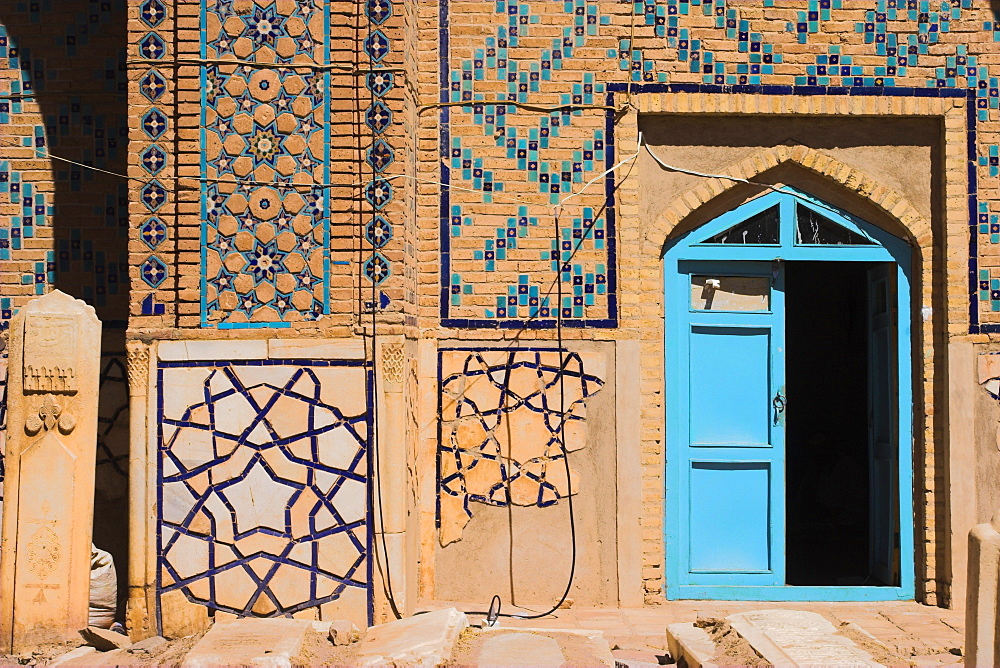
379 155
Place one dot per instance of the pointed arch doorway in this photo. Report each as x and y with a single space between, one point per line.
789 406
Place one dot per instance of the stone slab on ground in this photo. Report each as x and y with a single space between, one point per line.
577 644
937 660
692 644
250 642
798 638
425 639
149 644
342 632
105 640
72 655
520 649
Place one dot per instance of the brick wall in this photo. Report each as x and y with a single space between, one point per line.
62 84
477 258
832 58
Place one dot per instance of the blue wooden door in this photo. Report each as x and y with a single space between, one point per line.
725 400
733 423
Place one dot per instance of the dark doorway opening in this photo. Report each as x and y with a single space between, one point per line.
828 462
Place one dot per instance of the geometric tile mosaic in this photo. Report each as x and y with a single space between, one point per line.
263 484
152 46
153 271
506 414
266 253
153 159
152 85
152 12
153 232
515 61
913 48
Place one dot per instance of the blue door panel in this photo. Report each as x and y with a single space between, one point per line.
730 517
730 386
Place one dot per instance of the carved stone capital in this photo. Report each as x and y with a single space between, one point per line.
393 362
138 366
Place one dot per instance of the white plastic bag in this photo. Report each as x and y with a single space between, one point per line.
103 589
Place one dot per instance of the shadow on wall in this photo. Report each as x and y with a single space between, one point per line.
72 102
71 55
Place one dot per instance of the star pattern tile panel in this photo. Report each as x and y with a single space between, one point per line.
263 477
506 417
265 258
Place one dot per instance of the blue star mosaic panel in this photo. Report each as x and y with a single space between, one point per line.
506 415
263 485
915 48
266 138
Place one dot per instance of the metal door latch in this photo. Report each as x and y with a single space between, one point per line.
778 403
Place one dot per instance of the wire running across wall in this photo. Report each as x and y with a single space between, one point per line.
357 237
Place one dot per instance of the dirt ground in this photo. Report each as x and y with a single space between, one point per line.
731 648
39 655
576 648
317 650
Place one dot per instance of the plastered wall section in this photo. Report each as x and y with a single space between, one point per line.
503 494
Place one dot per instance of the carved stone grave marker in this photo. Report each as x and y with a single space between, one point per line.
53 377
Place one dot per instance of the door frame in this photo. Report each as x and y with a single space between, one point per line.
690 247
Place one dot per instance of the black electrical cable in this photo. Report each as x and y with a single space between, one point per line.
376 455
494 612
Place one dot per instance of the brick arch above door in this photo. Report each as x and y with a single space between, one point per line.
887 200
